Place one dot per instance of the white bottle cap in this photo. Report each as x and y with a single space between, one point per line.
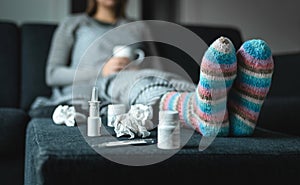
168 115
116 109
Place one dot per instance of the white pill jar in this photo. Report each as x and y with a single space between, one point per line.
168 130
114 110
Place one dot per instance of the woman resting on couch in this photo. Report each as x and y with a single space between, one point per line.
247 74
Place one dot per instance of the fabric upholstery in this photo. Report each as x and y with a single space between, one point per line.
208 34
13 123
12 171
43 112
36 39
56 154
280 114
281 108
285 75
10 64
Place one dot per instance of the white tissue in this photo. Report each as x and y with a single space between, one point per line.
136 122
64 114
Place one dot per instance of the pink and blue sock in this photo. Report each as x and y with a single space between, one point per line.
205 109
255 69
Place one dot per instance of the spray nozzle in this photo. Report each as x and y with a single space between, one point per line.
94 94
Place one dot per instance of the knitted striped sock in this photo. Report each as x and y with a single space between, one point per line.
255 69
205 109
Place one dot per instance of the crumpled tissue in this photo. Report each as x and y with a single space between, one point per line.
64 114
136 122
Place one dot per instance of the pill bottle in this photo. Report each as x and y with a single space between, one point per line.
168 130
114 110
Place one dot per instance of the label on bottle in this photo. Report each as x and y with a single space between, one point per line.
168 136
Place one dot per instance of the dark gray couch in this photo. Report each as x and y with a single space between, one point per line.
21 83
59 155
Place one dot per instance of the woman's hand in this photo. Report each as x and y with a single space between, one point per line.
114 65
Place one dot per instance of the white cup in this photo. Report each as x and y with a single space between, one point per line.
129 52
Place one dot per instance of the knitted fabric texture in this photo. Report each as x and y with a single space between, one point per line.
255 69
205 109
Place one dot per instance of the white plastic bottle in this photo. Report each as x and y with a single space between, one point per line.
168 130
114 110
94 121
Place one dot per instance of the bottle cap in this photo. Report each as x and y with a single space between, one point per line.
168 115
94 94
116 108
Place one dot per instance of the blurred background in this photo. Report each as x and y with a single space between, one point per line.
277 22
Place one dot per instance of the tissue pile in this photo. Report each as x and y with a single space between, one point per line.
64 114
136 122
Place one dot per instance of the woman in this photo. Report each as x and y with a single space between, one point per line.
245 75
71 40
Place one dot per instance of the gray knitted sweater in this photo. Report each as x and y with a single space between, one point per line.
80 47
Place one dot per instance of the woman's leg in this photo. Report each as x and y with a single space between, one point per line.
205 108
255 68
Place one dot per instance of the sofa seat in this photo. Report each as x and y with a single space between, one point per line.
13 124
57 154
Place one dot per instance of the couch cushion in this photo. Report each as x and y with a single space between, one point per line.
13 123
56 154
282 105
281 114
285 74
208 34
10 64
36 39
12 171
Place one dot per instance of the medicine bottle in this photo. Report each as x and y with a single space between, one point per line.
114 110
168 130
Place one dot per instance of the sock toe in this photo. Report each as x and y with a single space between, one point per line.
255 69
218 71
257 48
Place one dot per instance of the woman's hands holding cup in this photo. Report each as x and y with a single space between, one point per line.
122 56
115 64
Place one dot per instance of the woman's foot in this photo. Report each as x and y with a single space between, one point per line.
254 75
205 109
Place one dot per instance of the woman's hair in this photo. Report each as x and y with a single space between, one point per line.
119 9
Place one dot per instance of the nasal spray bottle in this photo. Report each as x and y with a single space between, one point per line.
94 121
